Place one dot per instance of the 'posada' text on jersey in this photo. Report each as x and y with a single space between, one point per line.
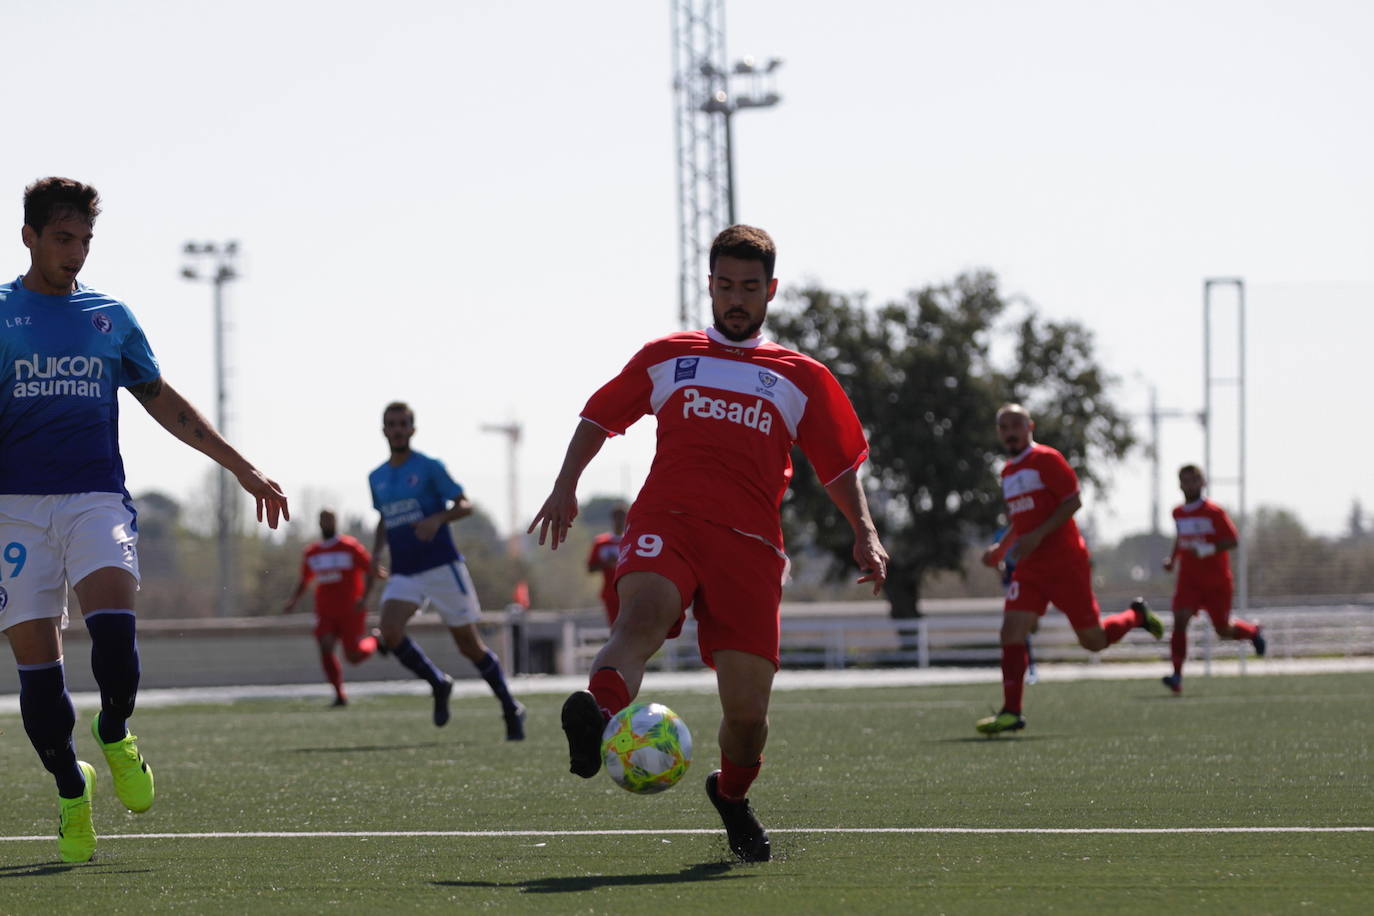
728 414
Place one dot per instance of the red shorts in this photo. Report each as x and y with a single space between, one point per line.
1068 587
732 582
1212 597
344 621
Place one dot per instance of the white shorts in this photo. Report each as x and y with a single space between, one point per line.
448 589
47 542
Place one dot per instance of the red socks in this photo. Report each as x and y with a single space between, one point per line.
609 688
1242 629
1178 648
1118 625
735 780
333 671
1015 659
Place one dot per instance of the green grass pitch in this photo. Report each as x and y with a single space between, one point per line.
1232 752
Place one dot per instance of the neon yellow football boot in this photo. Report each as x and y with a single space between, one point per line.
75 832
1002 722
1148 619
133 778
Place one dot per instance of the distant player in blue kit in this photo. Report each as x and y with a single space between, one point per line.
412 492
65 516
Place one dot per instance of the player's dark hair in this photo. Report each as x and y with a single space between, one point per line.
48 199
748 243
399 405
1189 469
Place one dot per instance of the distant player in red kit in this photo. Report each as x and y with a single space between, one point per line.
338 566
1205 535
704 530
1052 564
604 555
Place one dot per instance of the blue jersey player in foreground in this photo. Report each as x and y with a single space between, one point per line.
413 492
65 516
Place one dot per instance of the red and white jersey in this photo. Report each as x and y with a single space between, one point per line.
1203 522
1034 484
603 556
728 414
337 567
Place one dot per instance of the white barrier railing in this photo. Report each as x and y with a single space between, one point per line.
973 639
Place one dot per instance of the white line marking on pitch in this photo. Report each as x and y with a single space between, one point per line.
346 834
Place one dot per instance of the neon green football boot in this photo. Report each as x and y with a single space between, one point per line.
75 832
1002 722
133 779
1148 619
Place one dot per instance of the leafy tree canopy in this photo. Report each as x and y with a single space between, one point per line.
926 375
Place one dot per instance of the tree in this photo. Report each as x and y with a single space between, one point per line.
925 381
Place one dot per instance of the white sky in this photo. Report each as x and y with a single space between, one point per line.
471 206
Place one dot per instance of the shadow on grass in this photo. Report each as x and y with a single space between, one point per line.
44 869
364 748
707 871
984 739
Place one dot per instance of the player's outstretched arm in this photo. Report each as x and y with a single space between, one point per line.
177 415
847 492
295 596
560 508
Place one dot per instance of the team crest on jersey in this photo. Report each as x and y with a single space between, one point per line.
768 379
4 598
412 480
102 323
686 368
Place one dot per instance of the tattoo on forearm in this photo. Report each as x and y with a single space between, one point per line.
183 418
200 432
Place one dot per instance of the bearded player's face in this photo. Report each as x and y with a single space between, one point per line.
740 293
1014 431
398 427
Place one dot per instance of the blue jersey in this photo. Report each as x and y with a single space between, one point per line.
63 360
405 494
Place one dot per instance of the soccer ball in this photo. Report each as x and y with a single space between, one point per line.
646 748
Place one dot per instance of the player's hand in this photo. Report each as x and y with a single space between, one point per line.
268 495
992 557
1022 547
555 516
291 606
427 527
872 560
1169 565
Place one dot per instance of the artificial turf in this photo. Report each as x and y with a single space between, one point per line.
1232 752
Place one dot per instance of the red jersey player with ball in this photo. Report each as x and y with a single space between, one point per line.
704 530
1052 564
338 566
1205 537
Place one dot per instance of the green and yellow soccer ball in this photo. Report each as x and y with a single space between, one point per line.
646 748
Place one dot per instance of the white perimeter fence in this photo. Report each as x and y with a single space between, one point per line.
843 636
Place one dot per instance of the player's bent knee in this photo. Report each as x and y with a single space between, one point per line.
1092 640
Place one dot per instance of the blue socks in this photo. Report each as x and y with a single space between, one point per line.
114 662
409 654
490 669
49 716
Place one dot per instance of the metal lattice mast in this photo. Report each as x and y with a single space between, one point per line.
703 186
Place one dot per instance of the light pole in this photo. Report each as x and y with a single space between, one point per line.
214 263
1210 381
761 93
512 433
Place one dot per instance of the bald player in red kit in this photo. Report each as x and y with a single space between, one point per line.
338 566
1051 560
704 530
1205 537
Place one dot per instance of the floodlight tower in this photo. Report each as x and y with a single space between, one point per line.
512 432
219 268
704 106
1211 381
